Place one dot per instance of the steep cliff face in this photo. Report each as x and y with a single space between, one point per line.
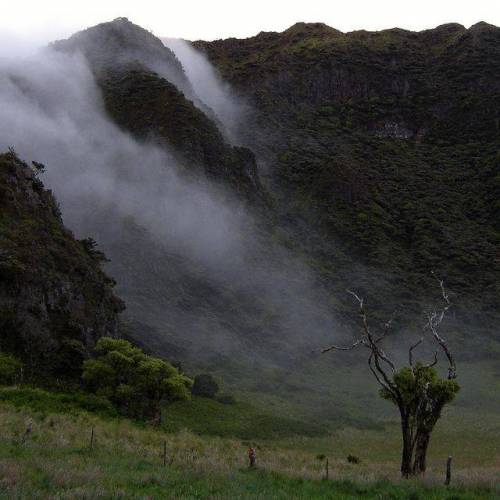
372 80
119 44
384 144
153 109
382 163
55 301
146 92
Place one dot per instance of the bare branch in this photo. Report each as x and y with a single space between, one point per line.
434 320
384 375
433 323
443 290
434 362
348 348
385 385
359 299
387 327
372 343
376 355
410 351
383 356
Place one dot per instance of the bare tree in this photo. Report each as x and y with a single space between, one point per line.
416 389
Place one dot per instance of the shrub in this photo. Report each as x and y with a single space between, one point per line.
353 459
134 382
205 386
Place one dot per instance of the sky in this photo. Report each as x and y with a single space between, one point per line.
42 21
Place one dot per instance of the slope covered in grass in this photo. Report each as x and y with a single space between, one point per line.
126 460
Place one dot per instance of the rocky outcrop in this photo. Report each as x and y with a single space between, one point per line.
443 80
147 93
152 108
121 43
55 301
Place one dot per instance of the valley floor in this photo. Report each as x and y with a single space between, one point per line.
126 461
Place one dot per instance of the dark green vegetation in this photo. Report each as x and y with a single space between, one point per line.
150 107
58 308
385 146
420 395
55 301
44 402
379 156
135 383
146 92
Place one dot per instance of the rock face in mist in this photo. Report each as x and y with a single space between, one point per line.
385 143
146 92
120 43
55 301
152 108
380 156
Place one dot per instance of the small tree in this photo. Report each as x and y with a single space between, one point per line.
133 381
417 390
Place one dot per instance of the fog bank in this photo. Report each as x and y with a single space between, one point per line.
209 87
257 298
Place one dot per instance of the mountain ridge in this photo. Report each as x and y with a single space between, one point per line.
359 117
363 161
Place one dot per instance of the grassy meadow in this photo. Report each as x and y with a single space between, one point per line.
126 461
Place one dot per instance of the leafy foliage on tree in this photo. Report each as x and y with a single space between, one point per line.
423 393
134 382
11 369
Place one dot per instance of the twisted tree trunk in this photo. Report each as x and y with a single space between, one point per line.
407 453
417 389
422 443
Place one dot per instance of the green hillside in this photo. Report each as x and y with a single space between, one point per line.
126 459
384 146
362 161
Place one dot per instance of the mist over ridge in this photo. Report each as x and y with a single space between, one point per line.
263 267
209 87
54 111
155 223
141 147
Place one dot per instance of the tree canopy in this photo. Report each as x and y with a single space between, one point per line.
133 381
417 389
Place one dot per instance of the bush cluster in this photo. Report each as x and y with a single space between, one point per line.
137 384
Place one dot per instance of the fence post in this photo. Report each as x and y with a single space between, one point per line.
326 469
92 438
448 472
164 453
